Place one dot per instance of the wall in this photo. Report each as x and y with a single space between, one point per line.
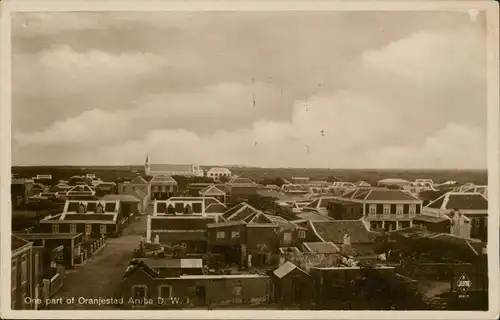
219 292
22 289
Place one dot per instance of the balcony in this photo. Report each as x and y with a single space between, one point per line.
389 217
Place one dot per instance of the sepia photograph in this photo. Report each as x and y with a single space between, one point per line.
250 159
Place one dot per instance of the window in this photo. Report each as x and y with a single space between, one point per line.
55 228
72 228
24 269
235 234
99 208
287 236
13 275
139 291
103 229
221 234
387 209
373 209
88 229
413 209
302 234
399 209
164 291
82 208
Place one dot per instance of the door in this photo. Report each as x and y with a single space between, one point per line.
296 292
201 295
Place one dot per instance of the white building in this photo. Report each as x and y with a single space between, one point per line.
187 170
217 172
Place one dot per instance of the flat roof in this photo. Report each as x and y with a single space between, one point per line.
47 235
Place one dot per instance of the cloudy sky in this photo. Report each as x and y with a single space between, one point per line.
275 89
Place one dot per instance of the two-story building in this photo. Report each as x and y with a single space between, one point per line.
249 236
383 208
93 218
183 221
217 173
240 189
162 187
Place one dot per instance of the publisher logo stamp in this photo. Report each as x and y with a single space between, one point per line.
463 285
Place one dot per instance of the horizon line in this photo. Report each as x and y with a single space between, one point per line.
250 166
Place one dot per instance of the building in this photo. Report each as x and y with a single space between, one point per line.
213 192
240 189
20 192
393 183
138 183
362 184
105 188
384 208
470 187
130 205
345 210
247 236
300 180
71 243
163 187
152 170
291 286
339 187
183 221
93 218
146 287
352 236
189 206
294 189
80 192
217 173
420 185
193 189
24 271
472 205
319 205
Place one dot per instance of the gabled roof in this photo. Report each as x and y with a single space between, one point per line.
335 230
380 194
138 180
286 269
81 189
460 201
321 247
233 210
215 208
219 170
212 191
241 181
164 180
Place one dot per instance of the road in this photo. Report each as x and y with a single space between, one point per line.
100 277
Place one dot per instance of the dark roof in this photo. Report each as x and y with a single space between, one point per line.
176 223
321 247
415 232
17 243
438 203
334 231
472 201
241 181
87 217
311 215
215 208
164 180
244 213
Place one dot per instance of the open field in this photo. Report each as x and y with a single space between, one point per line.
117 173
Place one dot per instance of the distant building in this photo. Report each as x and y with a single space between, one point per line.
393 183
419 186
216 173
153 170
340 187
105 188
300 180
239 189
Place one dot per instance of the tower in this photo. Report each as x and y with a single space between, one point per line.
146 166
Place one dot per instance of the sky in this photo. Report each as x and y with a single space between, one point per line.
270 89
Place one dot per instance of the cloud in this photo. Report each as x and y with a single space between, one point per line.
417 101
